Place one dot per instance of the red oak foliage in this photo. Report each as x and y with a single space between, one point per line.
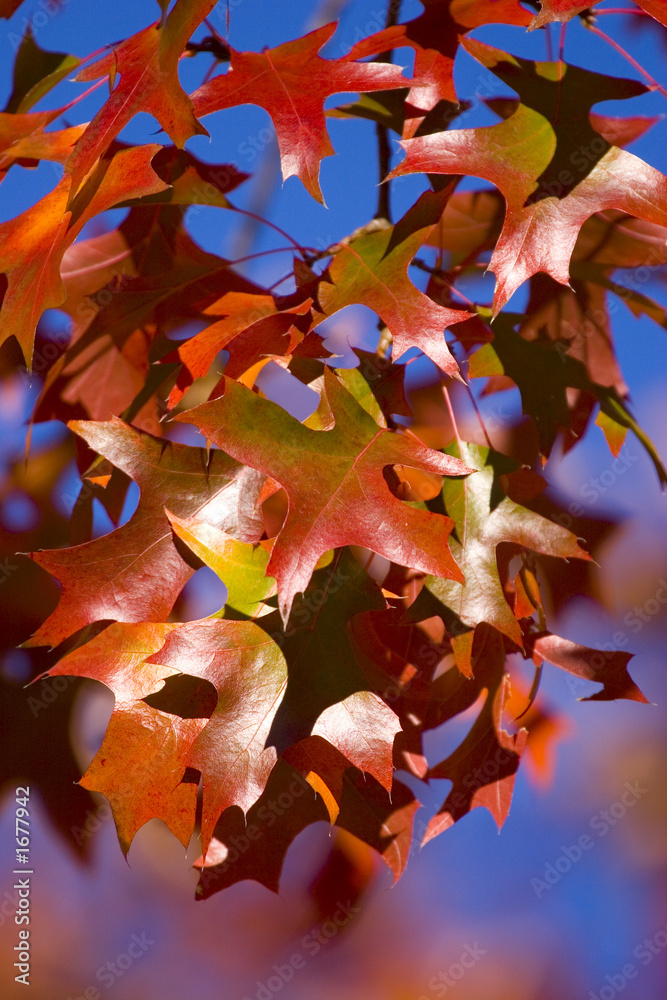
317 680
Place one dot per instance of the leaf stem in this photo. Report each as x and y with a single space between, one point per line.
550 44
267 222
621 10
479 416
452 417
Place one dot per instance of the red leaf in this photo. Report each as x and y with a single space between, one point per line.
552 179
148 67
372 269
565 10
339 471
607 668
249 673
483 768
292 83
136 573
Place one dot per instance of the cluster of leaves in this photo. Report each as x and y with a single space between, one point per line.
316 682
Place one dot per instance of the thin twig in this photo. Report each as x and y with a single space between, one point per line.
633 62
383 210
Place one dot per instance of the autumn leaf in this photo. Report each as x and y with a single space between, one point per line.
291 82
249 674
483 768
372 268
565 10
484 517
147 64
140 764
435 36
342 470
607 668
552 178
33 245
136 573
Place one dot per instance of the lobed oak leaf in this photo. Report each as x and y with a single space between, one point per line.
148 67
484 517
33 245
140 765
240 566
136 573
565 10
249 673
141 769
322 668
483 768
553 176
607 668
372 269
292 82
339 496
254 846
435 36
